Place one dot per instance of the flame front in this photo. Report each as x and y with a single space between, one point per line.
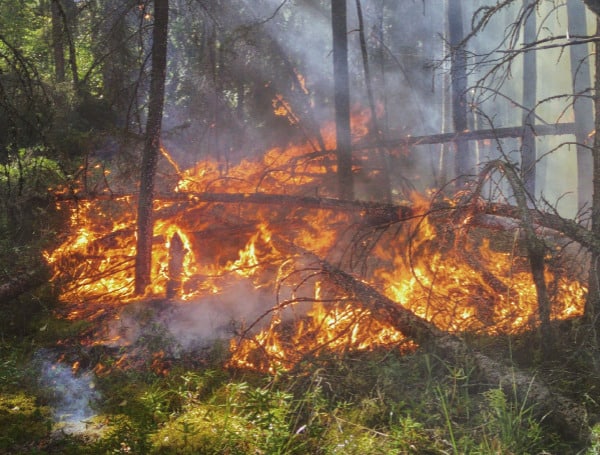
442 272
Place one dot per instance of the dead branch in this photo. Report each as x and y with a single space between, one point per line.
536 248
570 228
478 135
566 415
376 214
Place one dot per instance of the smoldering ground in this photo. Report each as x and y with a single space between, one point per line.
178 327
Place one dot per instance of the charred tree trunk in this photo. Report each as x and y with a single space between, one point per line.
528 149
341 82
536 250
384 158
176 256
143 259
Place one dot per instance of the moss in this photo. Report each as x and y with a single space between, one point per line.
208 430
22 420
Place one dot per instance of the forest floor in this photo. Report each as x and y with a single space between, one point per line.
60 397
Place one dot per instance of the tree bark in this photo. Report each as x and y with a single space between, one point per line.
342 99
374 127
582 106
593 301
143 260
176 256
528 149
458 75
58 46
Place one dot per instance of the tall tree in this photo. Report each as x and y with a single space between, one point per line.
342 98
593 299
145 224
63 13
583 108
458 75
528 148
58 46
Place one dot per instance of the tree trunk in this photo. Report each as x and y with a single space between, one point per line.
176 257
567 416
458 75
342 98
143 260
582 105
58 46
69 18
374 127
528 149
593 302
63 16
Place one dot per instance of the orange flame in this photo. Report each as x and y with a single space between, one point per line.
439 270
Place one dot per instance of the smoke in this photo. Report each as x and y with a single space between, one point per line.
186 326
71 394
271 42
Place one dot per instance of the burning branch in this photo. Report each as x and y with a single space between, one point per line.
567 415
535 247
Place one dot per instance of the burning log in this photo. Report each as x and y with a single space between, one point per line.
400 211
568 416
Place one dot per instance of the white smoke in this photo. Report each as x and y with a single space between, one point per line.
185 326
71 394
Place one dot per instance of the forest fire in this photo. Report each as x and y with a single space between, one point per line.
261 224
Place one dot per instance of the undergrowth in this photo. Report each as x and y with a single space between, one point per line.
367 403
380 402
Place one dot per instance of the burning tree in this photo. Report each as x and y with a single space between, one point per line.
151 146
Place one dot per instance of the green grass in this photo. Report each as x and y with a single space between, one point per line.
377 403
363 403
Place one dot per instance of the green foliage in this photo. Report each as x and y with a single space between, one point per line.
594 448
124 435
510 426
28 219
391 405
22 420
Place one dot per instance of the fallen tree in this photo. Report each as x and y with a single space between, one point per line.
566 415
375 212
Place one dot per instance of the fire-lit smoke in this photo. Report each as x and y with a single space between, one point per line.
192 325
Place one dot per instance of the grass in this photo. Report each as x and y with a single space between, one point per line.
379 402
368 403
